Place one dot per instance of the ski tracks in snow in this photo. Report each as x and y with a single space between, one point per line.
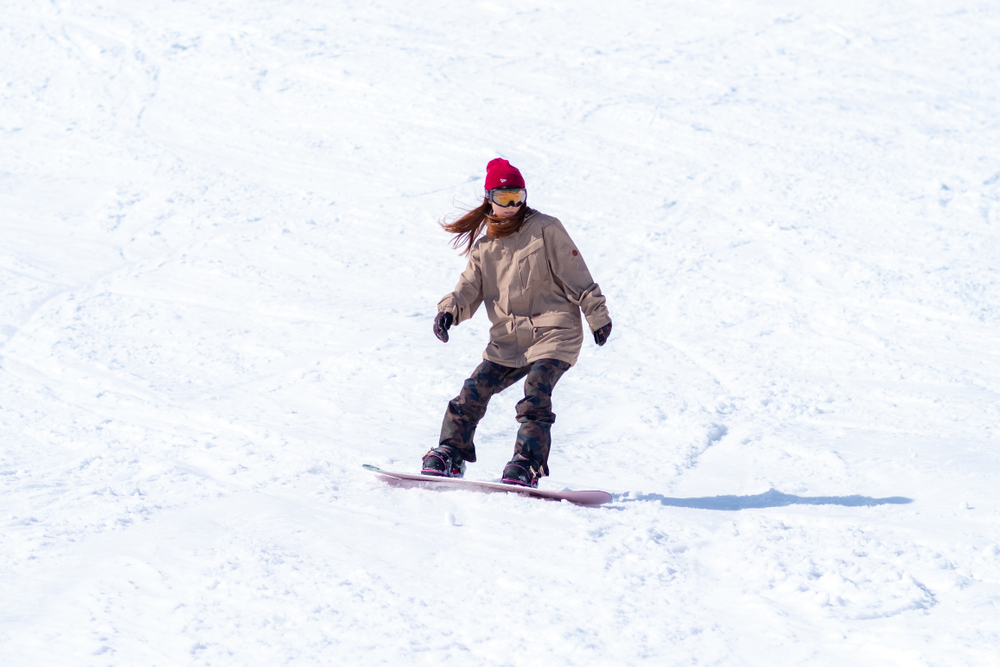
219 264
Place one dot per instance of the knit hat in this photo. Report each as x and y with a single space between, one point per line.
502 174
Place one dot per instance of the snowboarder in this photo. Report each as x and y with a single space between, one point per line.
533 281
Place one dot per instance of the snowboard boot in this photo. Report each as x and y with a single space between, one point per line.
443 462
521 471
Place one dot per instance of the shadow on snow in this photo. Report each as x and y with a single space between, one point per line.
772 498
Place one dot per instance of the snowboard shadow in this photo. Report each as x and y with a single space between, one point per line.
772 498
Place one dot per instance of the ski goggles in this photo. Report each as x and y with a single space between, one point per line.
504 197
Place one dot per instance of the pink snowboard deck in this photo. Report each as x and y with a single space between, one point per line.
591 497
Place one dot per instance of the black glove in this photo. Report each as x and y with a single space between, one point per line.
601 335
442 322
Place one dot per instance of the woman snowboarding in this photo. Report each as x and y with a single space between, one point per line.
533 281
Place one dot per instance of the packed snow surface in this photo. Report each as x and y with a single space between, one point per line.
219 262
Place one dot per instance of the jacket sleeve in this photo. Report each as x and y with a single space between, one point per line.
572 275
468 295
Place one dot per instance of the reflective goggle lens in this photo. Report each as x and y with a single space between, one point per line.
508 197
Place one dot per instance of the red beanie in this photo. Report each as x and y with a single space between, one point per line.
501 174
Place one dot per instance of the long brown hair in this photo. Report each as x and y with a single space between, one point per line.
468 227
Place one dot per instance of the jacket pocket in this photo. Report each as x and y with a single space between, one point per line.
531 265
558 320
557 332
500 329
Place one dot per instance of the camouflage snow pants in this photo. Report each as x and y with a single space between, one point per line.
534 411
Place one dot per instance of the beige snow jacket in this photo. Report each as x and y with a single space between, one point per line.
534 284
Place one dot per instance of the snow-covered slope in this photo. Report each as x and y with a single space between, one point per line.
219 260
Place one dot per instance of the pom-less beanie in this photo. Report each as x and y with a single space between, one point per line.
502 174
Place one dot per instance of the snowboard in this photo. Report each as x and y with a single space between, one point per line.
591 497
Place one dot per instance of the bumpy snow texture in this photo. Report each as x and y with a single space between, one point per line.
219 264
